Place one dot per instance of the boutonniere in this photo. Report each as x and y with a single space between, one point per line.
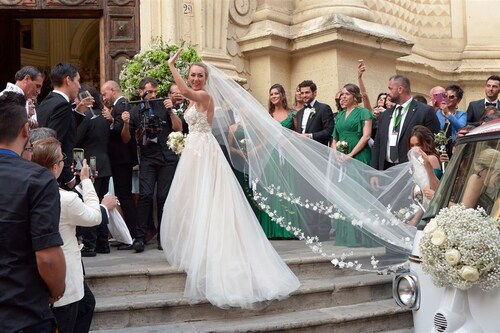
178 112
312 112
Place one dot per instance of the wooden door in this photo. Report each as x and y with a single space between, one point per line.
119 29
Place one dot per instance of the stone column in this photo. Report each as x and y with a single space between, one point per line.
310 9
58 36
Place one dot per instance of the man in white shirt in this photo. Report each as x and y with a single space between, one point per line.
29 81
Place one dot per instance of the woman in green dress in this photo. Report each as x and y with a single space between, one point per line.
278 109
353 126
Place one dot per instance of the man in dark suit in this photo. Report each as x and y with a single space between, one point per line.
395 124
153 123
176 102
56 112
315 120
122 155
476 108
32 264
93 137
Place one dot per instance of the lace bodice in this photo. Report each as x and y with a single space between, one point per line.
197 121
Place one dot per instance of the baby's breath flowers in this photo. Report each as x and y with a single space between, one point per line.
460 248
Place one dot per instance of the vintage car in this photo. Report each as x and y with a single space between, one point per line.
449 309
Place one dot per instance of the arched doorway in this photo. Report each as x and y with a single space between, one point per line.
96 36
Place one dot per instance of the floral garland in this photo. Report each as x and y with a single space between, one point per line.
461 248
332 211
153 63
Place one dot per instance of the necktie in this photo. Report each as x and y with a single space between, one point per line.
397 119
307 106
490 104
393 150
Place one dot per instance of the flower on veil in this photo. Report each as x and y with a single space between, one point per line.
243 145
175 142
461 248
342 146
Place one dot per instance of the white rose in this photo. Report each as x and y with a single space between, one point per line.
430 227
438 237
469 273
452 256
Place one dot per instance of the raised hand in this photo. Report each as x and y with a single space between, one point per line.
173 58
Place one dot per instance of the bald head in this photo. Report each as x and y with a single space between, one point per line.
110 91
437 90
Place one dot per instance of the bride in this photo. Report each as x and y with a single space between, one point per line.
208 228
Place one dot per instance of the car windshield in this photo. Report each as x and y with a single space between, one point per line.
472 178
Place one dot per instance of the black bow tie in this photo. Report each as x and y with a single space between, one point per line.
308 106
490 104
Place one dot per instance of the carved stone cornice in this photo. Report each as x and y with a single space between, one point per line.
325 29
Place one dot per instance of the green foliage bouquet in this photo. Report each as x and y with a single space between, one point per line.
153 63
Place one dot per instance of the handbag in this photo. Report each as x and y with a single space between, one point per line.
118 228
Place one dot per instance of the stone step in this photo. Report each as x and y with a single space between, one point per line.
129 273
375 316
148 309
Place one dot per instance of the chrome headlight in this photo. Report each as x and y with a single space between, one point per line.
405 290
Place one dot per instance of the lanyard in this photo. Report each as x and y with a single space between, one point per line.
399 116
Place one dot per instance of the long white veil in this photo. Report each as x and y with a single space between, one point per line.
299 182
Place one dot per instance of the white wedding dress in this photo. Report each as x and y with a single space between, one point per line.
209 230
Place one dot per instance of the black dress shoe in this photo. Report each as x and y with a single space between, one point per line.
125 247
103 250
87 252
160 247
138 246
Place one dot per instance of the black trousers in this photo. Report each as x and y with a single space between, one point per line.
66 317
152 171
122 182
97 236
86 308
46 326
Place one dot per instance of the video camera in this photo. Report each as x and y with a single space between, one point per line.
151 123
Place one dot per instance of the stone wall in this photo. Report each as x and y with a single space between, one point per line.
261 42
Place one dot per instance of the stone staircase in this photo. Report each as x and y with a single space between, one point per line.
140 292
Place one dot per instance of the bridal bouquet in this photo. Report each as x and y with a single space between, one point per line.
460 248
342 146
175 141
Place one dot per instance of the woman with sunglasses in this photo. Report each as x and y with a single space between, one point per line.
450 118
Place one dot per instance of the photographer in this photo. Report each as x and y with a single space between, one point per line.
152 122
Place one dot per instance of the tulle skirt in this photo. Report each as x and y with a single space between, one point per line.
210 231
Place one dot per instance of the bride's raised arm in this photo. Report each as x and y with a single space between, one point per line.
198 96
